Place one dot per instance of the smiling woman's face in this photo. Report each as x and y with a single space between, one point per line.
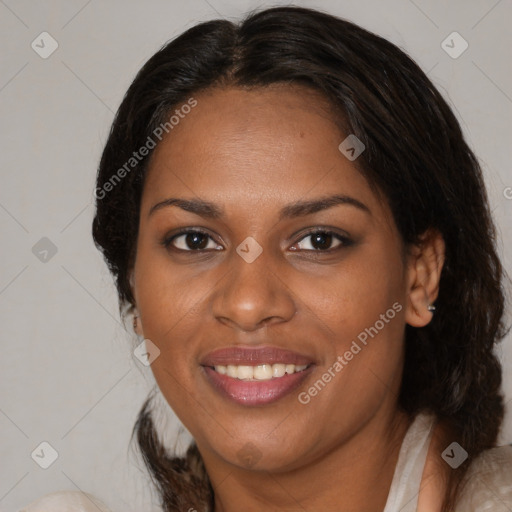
251 169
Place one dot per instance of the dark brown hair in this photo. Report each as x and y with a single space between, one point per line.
415 156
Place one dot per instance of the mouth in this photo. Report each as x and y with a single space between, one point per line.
255 376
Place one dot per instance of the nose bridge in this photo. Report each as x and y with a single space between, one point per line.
252 294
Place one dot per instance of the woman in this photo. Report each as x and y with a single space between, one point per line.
302 235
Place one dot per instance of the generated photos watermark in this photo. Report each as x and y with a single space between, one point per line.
305 397
144 150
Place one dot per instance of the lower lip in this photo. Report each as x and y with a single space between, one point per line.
255 392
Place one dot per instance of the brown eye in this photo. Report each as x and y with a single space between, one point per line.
322 241
192 240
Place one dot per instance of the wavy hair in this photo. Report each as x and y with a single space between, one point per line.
415 156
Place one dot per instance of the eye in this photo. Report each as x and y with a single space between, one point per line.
191 240
321 241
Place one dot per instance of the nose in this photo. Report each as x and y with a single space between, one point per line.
253 296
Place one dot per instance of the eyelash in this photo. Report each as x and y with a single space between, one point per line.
344 240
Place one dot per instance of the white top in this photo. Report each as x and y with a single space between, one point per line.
66 501
488 482
488 487
405 486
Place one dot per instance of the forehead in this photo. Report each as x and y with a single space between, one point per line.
259 120
258 147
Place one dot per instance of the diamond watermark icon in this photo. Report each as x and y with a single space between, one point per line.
454 45
146 352
351 147
249 455
454 455
249 249
44 250
44 455
44 45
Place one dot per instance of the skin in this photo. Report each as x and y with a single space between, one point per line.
270 148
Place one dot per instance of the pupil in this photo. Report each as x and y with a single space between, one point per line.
193 240
323 240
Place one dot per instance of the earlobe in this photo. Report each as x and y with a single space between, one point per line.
425 263
417 313
137 325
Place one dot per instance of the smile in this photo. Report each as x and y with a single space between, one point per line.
255 376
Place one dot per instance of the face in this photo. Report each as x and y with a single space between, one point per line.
275 288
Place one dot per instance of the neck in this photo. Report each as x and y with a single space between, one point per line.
354 475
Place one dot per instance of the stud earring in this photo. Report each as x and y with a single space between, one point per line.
431 308
135 323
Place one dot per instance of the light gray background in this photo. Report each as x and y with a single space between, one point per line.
67 372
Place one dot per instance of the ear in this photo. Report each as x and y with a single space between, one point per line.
424 264
137 322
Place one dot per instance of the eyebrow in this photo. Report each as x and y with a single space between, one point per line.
297 209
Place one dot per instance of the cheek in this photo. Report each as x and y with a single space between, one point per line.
169 310
164 292
363 297
364 356
363 307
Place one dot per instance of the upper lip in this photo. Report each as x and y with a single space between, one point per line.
251 356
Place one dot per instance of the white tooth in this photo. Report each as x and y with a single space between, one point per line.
278 370
260 372
290 368
263 372
245 372
232 371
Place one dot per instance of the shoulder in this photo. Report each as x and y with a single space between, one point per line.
488 482
66 501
